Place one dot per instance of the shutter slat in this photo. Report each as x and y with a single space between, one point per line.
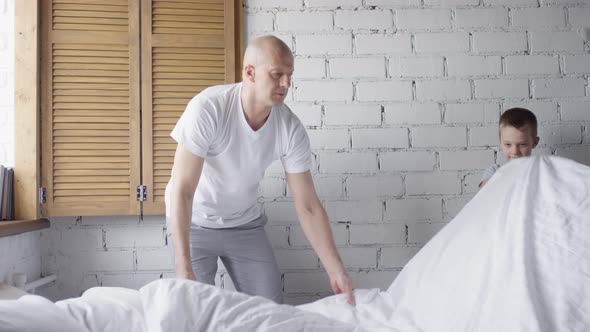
91 139
93 193
91 186
87 92
93 133
88 166
91 179
176 31
92 173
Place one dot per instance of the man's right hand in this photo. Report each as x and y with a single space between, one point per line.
184 273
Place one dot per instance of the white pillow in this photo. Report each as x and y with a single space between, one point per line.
32 313
107 309
184 305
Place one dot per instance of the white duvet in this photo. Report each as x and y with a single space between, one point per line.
516 258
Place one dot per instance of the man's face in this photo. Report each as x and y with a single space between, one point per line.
517 143
273 79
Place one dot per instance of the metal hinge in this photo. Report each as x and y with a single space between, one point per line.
42 195
141 193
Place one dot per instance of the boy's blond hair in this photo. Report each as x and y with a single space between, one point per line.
518 118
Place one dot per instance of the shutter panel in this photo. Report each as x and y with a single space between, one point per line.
90 107
187 45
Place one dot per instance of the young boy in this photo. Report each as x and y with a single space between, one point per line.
518 137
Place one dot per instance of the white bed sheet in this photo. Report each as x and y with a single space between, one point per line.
516 258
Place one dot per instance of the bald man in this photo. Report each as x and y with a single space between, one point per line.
227 136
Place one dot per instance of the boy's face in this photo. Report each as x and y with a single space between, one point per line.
517 143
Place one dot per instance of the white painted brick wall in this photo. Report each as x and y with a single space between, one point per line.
329 186
389 233
407 161
501 88
483 136
323 44
499 42
331 4
484 18
363 19
532 65
415 113
314 68
353 162
324 91
297 237
413 209
443 90
576 64
515 3
396 257
575 111
466 160
551 41
472 113
401 99
538 17
398 43
21 253
353 115
423 19
466 65
329 139
446 3
443 42
422 232
393 3
374 186
310 115
560 87
296 259
384 91
416 66
357 67
273 4
446 183
260 21
439 137
304 21
578 17
356 211
359 258
380 138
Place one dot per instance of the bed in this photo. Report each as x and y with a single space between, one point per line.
516 258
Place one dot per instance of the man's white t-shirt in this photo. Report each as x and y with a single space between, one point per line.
214 127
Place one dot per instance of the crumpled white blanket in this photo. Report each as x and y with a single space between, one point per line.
516 258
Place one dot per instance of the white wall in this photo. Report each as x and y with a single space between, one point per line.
7 82
20 253
401 101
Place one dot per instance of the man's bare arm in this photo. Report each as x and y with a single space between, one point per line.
186 173
315 225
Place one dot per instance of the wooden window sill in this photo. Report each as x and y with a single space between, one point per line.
8 228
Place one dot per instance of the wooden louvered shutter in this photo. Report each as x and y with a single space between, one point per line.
187 45
90 107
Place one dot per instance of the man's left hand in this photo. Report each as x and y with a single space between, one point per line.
341 283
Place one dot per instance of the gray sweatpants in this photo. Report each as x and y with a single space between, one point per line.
245 252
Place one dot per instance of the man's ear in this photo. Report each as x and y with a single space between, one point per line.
536 142
249 73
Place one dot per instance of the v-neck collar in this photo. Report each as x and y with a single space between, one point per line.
251 132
